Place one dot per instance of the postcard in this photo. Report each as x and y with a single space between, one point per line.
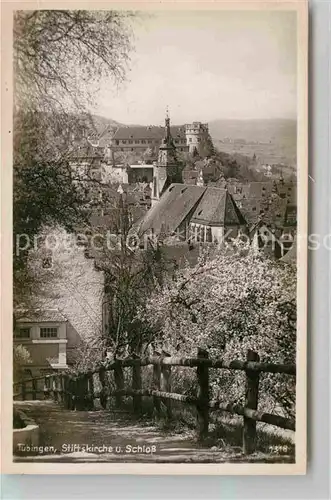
155 237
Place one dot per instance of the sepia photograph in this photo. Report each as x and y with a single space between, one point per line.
159 170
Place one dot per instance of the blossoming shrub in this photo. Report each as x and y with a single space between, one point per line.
232 302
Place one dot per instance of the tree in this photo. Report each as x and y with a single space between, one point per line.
59 58
131 275
21 358
236 301
60 55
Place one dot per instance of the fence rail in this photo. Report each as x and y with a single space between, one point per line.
79 392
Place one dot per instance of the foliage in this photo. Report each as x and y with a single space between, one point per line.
59 58
131 276
21 357
88 356
235 301
60 52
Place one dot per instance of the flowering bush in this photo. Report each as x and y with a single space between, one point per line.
235 301
21 357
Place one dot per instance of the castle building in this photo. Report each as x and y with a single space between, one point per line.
136 139
191 212
197 135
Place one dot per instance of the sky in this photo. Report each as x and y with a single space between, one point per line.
207 65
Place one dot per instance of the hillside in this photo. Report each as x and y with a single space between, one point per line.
272 141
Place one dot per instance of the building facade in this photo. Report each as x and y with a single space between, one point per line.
197 135
187 138
68 303
48 337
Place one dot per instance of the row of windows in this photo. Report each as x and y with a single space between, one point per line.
132 149
145 141
45 333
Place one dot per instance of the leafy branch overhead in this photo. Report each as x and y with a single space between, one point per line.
61 55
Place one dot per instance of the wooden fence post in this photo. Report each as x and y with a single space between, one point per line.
23 391
54 383
46 390
166 383
90 391
72 390
65 391
119 382
103 392
50 382
157 384
80 392
34 389
85 392
251 401
136 384
203 396
60 388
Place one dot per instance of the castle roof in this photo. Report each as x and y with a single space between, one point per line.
149 132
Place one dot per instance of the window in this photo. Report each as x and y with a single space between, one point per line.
22 333
46 333
117 143
123 141
130 141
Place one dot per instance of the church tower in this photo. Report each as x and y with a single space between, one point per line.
167 169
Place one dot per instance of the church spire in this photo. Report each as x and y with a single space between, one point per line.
167 126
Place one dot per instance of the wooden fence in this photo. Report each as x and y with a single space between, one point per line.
79 392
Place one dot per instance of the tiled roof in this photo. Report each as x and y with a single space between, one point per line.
209 205
217 208
41 316
151 132
291 215
291 256
87 151
173 207
271 210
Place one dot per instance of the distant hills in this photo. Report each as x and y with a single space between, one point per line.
282 131
272 140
